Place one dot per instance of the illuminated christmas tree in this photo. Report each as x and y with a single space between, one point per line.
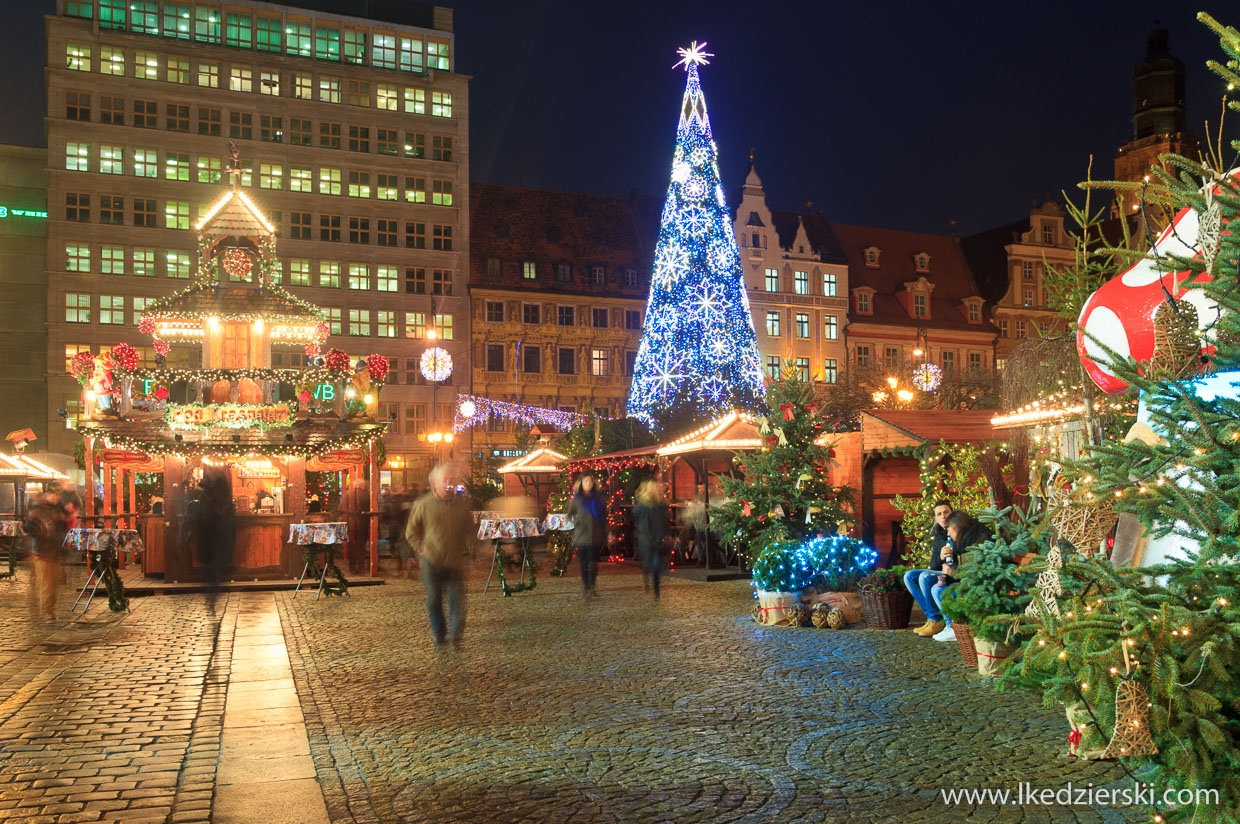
698 353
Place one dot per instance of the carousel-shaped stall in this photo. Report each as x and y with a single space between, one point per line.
234 415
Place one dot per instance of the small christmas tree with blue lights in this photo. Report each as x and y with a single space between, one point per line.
698 351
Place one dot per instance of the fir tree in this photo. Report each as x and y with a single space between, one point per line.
783 492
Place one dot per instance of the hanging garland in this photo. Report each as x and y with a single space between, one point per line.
379 367
237 264
475 410
82 366
189 448
126 357
338 362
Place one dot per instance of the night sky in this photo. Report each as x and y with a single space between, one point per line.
893 114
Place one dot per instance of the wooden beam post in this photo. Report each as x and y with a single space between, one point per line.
373 514
89 461
106 477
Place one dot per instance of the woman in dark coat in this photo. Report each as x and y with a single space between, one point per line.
588 512
650 519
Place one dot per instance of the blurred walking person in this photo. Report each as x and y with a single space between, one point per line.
45 526
216 526
650 518
588 512
440 530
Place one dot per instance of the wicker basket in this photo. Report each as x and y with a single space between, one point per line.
964 639
886 610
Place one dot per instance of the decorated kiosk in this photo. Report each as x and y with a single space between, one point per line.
261 427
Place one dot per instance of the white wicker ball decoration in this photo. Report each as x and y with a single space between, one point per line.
927 377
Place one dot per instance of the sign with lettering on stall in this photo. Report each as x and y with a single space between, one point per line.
132 460
228 415
337 460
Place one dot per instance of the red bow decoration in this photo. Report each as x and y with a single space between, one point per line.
162 393
304 396
771 441
787 408
811 407
745 509
1074 741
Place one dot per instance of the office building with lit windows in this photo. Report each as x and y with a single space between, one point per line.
352 136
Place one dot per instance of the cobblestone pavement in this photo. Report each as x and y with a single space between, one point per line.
621 709
110 717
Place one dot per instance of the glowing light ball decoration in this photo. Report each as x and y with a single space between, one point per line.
927 377
469 409
379 367
82 366
238 264
125 355
436 364
823 563
161 347
146 326
338 361
698 344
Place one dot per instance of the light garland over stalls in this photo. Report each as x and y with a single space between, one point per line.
698 343
475 410
191 448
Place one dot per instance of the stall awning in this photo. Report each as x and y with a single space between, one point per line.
734 430
540 461
29 467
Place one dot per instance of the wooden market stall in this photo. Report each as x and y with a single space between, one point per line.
260 428
536 472
21 478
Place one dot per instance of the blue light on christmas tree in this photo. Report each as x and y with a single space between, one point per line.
698 346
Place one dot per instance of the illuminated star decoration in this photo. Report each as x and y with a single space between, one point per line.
694 54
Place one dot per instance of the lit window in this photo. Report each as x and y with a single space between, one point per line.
297 37
803 326
383 50
441 104
415 324
269 82
829 284
145 163
387 186
267 31
298 272
331 315
412 51
176 70
359 322
241 78
949 361
77 257
176 166
803 370
175 20
772 324
830 372
772 367
112 309
303 86
176 214
443 326
144 16
143 260
146 65
327 42
415 189
139 306
77 157
270 176
385 324
415 99
329 181
437 56
415 144
863 302
176 264
329 89
207 24
238 30
77 307
359 276
112 260
359 184
329 274
111 61
77 57
831 329
300 179
441 192
600 363
386 97
209 75
209 169
800 283
386 278
772 280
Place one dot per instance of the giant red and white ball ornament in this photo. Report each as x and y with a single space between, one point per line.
1120 314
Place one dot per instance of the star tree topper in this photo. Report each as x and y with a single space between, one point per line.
694 54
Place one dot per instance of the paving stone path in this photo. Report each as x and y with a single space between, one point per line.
621 709
617 709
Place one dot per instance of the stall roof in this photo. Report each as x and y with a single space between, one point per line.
895 428
540 461
32 469
318 434
617 456
735 430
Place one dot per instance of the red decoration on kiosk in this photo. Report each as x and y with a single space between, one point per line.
338 361
161 347
146 326
125 355
313 350
379 368
82 365
238 264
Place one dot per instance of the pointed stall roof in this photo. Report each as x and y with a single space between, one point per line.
235 214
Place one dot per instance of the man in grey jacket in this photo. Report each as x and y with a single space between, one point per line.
440 530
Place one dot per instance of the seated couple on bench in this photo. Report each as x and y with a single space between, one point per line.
953 533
